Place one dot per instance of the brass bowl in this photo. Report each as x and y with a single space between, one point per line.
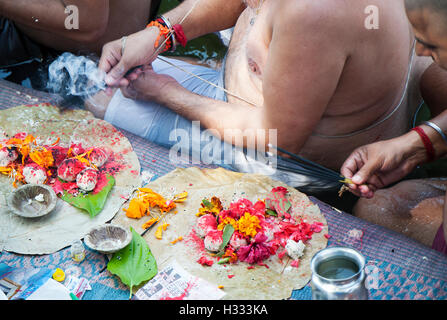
32 200
108 238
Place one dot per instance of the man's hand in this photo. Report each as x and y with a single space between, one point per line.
139 49
149 86
379 164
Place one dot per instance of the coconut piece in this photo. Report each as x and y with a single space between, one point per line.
213 240
34 174
294 249
205 224
237 240
69 169
98 157
86 180
77 149
7 156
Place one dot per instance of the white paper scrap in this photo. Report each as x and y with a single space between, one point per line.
175 283
50 290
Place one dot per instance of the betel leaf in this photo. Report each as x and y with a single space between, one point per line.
135 263
286 205
92 203
278 203
271 212
228 231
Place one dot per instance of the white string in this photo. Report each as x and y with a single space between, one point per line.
206 81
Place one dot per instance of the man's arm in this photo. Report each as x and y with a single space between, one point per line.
202 17
302 72
382 163
50 16
207 16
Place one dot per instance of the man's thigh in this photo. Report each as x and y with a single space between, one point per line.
411 207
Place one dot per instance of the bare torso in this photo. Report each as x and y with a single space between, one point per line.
371 85
125 17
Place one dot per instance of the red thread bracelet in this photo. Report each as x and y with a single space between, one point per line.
427 143
179 34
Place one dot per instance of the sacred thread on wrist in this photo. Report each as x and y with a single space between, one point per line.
427 143
164 31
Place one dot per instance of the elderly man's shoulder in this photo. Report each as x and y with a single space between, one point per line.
323 18
321 12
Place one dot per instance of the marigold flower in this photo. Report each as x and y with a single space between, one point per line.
248 225
228 220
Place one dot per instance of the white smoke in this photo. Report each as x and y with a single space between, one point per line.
75 75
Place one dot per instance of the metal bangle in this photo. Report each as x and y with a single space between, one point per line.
436 128
123 45
169 25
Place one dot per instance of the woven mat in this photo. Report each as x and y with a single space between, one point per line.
397 267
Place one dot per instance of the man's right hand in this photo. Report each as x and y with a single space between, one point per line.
139 50
382 163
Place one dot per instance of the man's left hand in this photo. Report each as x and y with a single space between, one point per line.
149 86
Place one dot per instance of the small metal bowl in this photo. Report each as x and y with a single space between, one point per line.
108 238
32 200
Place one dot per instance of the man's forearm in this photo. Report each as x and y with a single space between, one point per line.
235 123
207 16
439 144
50 15
39 14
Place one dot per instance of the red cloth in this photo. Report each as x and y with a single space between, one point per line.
439 243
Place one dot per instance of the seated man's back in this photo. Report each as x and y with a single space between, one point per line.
347 77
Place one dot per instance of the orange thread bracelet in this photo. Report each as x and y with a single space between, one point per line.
164 31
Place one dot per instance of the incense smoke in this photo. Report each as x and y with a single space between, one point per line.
75 75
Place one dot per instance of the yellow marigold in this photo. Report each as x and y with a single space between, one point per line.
228 220
248 225
42 157
214 207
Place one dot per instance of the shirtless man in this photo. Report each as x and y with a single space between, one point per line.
27 26
416 207
314 71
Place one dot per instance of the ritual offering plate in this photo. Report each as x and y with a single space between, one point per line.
251 236
88 164
32 200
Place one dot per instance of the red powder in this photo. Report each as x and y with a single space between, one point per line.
195 240
101 182
205 262
188 288
295 263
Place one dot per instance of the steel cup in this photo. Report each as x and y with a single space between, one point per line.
338 274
